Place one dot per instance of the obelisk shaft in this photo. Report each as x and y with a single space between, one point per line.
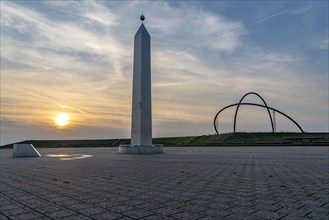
141 117
141 128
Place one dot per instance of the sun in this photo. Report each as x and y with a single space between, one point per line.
62 119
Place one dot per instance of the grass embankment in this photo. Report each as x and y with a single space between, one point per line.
248 139
228 139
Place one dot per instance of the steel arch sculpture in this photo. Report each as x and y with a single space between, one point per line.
237 109
254 104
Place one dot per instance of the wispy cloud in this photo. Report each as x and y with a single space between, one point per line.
302 9
321 45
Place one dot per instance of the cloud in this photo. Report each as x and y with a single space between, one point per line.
76 56
226 34
321 45
45 34
301 10
103 16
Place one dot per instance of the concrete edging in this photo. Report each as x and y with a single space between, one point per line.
25 150
141 149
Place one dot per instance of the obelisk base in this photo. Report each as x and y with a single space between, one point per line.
141 149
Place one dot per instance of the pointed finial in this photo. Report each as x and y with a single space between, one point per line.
142 17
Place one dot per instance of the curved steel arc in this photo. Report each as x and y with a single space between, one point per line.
219 113
237 109
254 104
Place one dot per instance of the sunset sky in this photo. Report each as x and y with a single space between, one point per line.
75 58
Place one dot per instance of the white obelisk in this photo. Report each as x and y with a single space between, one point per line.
141 119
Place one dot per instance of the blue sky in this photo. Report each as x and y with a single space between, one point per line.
76 57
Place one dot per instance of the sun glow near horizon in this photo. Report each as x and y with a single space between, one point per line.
62 119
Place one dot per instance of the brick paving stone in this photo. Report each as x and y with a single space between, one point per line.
61 213
27 216
157 217
14 212
108 216
74 217
43 218
194 208
10 206
3 217
318 215
167 211
187 215
149 206
183 183
138 213
80 206
92 211
135 202
49 208
122 208
108 204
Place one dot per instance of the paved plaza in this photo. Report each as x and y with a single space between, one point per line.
183 183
